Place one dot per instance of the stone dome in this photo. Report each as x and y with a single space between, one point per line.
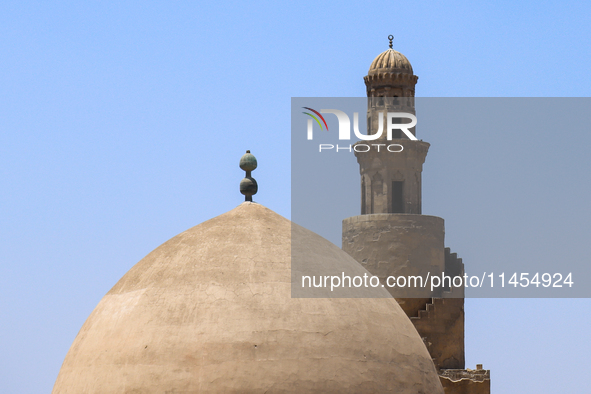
390 61
211 311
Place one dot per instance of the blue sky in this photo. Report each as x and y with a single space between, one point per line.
122 123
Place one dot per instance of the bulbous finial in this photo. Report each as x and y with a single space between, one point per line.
248 185
390 37
248 162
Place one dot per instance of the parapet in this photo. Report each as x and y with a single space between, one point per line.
459 381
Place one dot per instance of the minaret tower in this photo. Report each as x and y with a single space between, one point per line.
391 238
391 183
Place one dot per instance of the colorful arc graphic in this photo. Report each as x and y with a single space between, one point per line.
315 118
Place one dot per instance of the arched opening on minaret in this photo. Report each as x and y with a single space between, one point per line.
363 199
397 200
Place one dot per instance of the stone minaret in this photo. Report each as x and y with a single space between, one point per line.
392 238
390 182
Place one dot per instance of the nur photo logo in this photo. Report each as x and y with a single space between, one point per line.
393 122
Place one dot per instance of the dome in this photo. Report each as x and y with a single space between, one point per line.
211 311
390 61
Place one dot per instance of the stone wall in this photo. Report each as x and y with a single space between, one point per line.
397 245
408 244
466 381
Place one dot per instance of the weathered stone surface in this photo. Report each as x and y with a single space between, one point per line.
405 245
397 245
389 61
380 169
390 75
441 324
465 381
210 311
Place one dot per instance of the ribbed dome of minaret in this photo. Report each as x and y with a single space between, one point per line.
390 61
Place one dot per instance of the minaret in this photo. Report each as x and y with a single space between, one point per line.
391 238
391 183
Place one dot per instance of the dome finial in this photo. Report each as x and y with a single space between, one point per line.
390 37
248 185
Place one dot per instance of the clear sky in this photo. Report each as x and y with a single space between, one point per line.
122 123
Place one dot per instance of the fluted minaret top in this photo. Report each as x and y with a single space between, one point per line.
390 75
